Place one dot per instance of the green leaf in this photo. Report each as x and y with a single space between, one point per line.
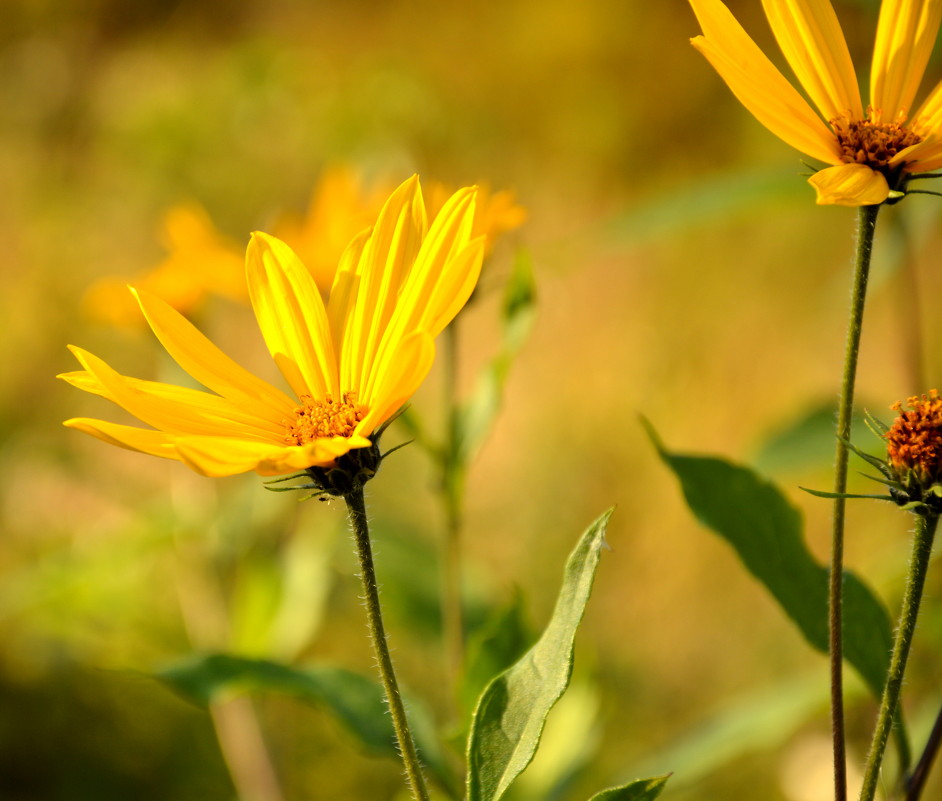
519 309
766 532
638 790
355 700
502 640
509 719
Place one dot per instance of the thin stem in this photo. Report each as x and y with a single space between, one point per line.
452 490
866 223
922 550
356 508
917 779
910 305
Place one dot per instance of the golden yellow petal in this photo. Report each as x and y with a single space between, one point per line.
396 378
814 46
166 410
196 403
454 288
386 258
221 456
849 185
758 85
155 443
343 295
208 364
291 316
906 34
928 119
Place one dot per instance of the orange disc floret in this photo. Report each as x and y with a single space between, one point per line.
914 441
314 419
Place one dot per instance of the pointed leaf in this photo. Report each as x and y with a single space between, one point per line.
638 790
509 719
765 530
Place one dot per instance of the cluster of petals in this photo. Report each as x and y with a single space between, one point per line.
398 284
813 44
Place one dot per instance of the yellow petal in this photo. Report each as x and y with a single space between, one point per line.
221 456
850 185
906 34
454 288
396 378
758 85
814 46
155 443
386 258
165 410
208 364
343 293
291 316
193 402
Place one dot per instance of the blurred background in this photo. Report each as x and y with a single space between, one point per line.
683 272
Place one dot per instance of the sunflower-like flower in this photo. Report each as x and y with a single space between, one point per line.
873 152
350 363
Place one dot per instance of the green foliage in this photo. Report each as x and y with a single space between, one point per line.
639 790
355 700
766 532
494 647
509 719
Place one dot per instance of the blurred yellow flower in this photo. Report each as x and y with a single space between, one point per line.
201 261
350 363
872 154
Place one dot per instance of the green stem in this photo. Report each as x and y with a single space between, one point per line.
452 490
922 550
917 779
866 223
356 507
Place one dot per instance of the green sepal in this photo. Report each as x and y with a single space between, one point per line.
823 494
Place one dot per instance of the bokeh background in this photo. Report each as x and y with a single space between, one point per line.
683 273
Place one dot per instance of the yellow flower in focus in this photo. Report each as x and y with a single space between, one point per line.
872 153
350 363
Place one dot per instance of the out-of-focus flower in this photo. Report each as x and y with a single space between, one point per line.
201 261
350 364
873 153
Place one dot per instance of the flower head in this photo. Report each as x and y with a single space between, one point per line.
350 363
914 441
872 152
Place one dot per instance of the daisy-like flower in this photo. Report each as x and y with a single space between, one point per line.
872 152
350 363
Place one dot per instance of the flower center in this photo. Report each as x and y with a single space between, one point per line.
871 143
317 419
914 441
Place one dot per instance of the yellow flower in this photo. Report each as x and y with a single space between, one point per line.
350 363
872 154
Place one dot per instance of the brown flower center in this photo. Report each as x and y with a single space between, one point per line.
316 419
870 142
914 441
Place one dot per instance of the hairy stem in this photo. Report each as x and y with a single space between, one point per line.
922 550
356 507
866 223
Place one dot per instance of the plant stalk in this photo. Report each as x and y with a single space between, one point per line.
356 508
922 550
452 491
917 779
866 223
